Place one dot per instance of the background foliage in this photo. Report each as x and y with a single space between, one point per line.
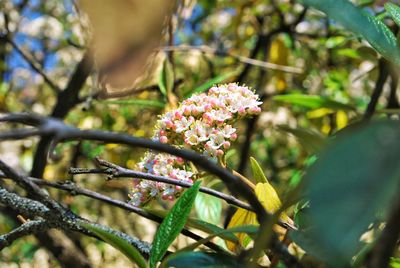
339 71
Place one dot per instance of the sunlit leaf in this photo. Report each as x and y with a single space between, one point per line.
258 173
119 243
166 78
173 224
394 12
268 198
312 101
208 208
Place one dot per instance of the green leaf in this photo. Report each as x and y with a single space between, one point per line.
173 224
394 262
248 229
139 102
312 101
216 80
166 78
312 141
394 12
197 224
119 243
202 259
355 20
351 185
208 208
258 173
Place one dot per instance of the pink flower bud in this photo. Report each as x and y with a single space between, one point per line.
164 197
163 139
178 115
169 124
226 144
241 110
178 188
220 152
186 111
233 136
171 198
208 107
180 160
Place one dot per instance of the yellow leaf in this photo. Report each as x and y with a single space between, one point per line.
341 119
279 54
270 200
240 218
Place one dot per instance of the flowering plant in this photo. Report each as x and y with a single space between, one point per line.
203 123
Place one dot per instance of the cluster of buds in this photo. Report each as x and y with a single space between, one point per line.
202 123
159 164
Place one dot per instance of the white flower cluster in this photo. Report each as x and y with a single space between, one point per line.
202 123
162 165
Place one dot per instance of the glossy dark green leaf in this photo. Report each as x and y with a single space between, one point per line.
311 141
202 259
312 101
351 185
354 19
208 208
394 12
173 224
119 243
208 84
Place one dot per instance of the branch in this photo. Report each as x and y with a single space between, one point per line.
62 219
66 100
25 229
382 76
115 171
26 206
30 187
246 60
62 132
73 189
34 65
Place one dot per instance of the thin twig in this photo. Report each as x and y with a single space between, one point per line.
382 77
115 171
221 53
35 66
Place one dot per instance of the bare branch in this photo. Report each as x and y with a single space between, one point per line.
28 228
115 171
34 65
